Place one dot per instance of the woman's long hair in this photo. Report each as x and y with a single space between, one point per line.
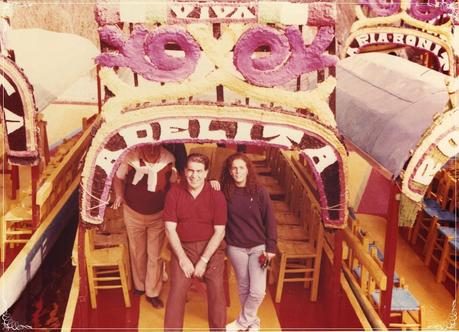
227 181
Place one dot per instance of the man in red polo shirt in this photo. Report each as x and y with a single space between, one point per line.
195 216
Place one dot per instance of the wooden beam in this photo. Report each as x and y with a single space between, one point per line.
390 252
35 208
360 313
365 304
335 278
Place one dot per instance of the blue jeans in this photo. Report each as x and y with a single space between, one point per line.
251 282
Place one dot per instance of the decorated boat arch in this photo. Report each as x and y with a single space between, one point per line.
423 124
424 26
410 136
439 143
19 115
200 75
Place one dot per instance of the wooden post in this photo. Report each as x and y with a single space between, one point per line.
14 181
44 145
35 209
335 278
390 252
83 307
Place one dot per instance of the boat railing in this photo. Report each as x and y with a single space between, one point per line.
356 255
362 272
64 167
60 172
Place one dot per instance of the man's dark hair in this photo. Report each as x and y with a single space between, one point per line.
198 158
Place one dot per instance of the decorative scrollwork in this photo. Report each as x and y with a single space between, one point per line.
9 324
144 52
382 7
423 10
430 10
288 58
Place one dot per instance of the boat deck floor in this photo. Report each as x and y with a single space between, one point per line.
111 313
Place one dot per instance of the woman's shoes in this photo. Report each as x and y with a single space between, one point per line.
235 327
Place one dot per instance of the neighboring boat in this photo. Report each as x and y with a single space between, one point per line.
36 210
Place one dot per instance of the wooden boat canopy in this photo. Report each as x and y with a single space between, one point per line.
400 114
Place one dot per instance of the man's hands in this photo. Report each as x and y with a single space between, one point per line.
187 267
215 185
189 270
117 202
200 269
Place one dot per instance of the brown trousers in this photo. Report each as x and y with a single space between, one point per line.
213 277
146 238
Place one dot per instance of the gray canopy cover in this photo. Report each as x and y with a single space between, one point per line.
385 104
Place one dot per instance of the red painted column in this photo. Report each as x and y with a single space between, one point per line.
83 308
14 181
335 279
35 208
390 252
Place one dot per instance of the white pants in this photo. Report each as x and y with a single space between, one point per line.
251 279
146 238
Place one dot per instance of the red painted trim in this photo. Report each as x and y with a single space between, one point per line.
81 314
390 252
14 181
335 279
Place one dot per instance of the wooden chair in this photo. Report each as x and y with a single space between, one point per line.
448 259
273 161
360 271
378 257
257 159
291 232
273 187
260 162
104 240
404 307
435 208
301 258
366 275
280 207
16 228
107 268
439 243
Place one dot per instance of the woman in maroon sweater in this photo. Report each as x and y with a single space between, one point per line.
250 233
